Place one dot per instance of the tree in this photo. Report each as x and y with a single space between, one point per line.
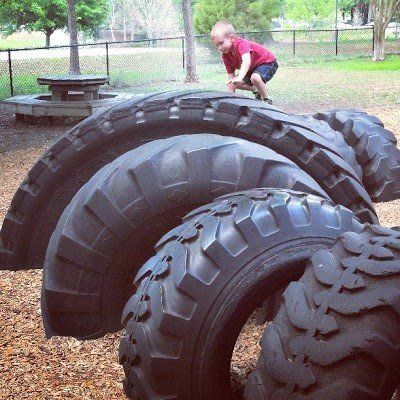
113 14
313 11
49 15
358 10
74 68
208 12
43 15
361 13
191 73
383 11
90 15
157 18
244 15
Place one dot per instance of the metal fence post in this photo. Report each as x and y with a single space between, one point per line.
294 42
336 41
183 52
10 74
107 61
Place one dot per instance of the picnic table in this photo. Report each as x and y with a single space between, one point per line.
61 85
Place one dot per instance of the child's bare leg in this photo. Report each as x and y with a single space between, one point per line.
230 87
257 81
244 86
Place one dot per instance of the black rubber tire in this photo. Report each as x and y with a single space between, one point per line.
375 147
76 156
337 334
208 276
332 135
115 220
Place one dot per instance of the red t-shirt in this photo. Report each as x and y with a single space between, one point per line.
258 55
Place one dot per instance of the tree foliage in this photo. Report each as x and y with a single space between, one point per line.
148 18
90 14
359 10
49 15
347 5
313 11
244 15
156 18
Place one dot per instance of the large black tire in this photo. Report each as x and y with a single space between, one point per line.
75 157
331 135
208 276
110 229
337 334
375 147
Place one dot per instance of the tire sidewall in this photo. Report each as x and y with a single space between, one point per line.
229 310
208 348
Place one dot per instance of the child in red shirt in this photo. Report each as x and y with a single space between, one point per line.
256 64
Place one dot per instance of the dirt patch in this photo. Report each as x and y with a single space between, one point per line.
32 367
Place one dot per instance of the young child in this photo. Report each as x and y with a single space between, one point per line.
256 64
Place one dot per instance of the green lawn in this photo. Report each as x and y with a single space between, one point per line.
391 63
22 40
296 86
344 81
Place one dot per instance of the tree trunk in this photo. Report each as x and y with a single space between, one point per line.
124 12
379 46
365 13
132 32
190 56
358 15
74 68
48 34
369 19
383 12
111 26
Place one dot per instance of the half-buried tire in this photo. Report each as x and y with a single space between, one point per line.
208 276
375 147
81 152
113 222
336 336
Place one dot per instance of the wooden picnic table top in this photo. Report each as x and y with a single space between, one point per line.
73 80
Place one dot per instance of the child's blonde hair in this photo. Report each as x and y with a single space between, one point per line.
222 27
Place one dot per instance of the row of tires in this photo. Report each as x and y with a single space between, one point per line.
94 206
335 336
310 143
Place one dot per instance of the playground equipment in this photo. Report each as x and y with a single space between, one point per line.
118 184
71 96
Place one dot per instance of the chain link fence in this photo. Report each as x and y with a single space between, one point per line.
146 63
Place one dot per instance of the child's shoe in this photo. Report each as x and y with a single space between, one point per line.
258 97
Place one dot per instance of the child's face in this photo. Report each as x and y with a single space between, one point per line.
223 42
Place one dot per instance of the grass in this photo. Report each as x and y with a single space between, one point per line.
298 79
340 87
296 86
22 40
391 63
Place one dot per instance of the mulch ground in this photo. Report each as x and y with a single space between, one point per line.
32 367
